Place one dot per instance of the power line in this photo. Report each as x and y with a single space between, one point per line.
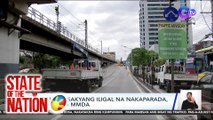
75 17
67 17
70 24
194 5
63 16
70 13
204 5
50 10
204 17
199 16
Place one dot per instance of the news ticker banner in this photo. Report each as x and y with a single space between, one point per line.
23 95
137 112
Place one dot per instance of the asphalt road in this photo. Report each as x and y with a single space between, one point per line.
117 79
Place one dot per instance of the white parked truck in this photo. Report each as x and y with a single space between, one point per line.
82 75
157 71
181 78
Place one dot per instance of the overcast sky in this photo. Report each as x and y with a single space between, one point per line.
116 23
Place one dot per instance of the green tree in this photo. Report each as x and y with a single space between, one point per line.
158 62
41 60
25 61
152 55
38 60
139 56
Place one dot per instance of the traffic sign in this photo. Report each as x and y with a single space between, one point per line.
172 40
170 14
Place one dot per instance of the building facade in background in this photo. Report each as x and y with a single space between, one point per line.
150 14
202 44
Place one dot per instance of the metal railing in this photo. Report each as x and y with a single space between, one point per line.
60 28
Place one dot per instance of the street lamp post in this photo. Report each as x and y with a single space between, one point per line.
101 53
131 62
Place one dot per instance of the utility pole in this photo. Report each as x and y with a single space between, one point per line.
131 59
101 47
101 54
212 14
172 75
172 63
57 19
86 45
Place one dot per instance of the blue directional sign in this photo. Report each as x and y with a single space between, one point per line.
170 14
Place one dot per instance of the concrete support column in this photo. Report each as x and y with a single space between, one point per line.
9 48
9 53
9 39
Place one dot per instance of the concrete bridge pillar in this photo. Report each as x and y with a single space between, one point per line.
9 48
9 34
9 38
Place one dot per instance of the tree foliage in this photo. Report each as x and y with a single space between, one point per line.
158 62
45 61
141 56
152 55
39 60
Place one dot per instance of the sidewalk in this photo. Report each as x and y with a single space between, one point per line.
151 87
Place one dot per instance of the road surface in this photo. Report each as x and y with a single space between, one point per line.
117 79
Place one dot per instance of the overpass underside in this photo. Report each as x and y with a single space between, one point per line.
43 40
26 45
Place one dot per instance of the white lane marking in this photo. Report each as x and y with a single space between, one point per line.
109 73
142 85
57 117
159 117
103 86
141 91
95 91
